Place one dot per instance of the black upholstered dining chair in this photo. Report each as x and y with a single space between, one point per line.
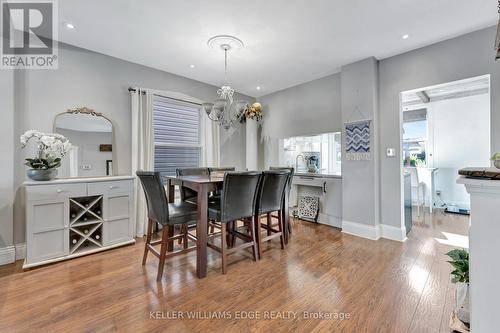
167 215
238 202
289 188
271 193
188 194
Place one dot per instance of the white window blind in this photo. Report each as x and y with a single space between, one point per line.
177 135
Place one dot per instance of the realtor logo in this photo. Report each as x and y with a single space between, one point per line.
29 34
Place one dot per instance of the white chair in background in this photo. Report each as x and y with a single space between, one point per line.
419 187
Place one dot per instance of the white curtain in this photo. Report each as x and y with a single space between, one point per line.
142 150
211 142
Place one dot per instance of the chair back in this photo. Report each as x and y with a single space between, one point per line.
272 190
156 198
187 193
239 195
415 181
292 171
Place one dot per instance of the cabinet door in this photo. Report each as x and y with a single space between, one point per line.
47 230
331 202
117 226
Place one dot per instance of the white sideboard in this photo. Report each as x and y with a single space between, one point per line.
67 218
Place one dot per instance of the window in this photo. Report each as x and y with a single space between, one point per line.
177 135
415 137
316 153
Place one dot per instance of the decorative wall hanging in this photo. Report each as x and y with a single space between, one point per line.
357 146
308 208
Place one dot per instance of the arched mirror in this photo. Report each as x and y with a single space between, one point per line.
91 134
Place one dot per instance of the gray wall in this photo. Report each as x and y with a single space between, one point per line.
459 58
7 153
86 78
360 188
309 108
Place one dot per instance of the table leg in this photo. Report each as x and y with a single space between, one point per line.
201 232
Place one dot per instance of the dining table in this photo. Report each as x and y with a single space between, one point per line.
203 185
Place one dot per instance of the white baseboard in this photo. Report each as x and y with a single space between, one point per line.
393 233
7 255
20 251
361 230
374 232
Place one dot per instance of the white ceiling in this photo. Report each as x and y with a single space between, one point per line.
287 41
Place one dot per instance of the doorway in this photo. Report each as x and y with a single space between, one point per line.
444 128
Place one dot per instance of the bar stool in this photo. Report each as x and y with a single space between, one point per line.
238 202
289 188
167 215
271 193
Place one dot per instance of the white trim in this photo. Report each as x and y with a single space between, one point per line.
361 230
374 232
20 251
7 255
393 233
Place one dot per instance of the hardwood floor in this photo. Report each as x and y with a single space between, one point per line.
383 286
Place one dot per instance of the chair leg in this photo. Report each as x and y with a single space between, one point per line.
223 248
230 235
234 225
184 238
181 230
148 240
163 253
269 224
255 249
280 228
258 235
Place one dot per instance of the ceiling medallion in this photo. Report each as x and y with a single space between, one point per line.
223 110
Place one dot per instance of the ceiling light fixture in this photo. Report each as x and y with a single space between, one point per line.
405 36
192 66
258 87
70 26
223 110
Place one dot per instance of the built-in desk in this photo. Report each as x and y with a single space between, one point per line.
329 190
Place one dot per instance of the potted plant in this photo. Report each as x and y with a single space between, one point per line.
460 276
496 160
51 148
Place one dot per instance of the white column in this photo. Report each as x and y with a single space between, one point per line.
484 246
251 145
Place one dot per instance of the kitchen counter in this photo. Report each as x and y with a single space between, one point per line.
317 175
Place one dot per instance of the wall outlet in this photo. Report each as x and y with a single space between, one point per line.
86 166
438 193
390 152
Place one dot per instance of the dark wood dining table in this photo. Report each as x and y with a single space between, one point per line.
203 185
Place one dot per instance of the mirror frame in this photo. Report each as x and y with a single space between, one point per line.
91 112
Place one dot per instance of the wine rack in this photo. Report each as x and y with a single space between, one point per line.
86 219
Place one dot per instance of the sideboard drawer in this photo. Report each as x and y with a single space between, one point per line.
110 188
51 192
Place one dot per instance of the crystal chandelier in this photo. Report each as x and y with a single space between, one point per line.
226 112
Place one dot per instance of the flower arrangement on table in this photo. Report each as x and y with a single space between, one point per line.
52 148
254 111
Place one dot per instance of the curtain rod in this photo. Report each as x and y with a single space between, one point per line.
130 89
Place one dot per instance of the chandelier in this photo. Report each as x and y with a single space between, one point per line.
226 112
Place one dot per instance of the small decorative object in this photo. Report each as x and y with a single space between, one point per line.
357 145
309 208
496 160
51 149
460 274
254 112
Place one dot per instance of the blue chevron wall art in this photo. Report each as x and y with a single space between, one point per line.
357 145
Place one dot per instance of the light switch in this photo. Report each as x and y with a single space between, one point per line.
86 166
390 152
